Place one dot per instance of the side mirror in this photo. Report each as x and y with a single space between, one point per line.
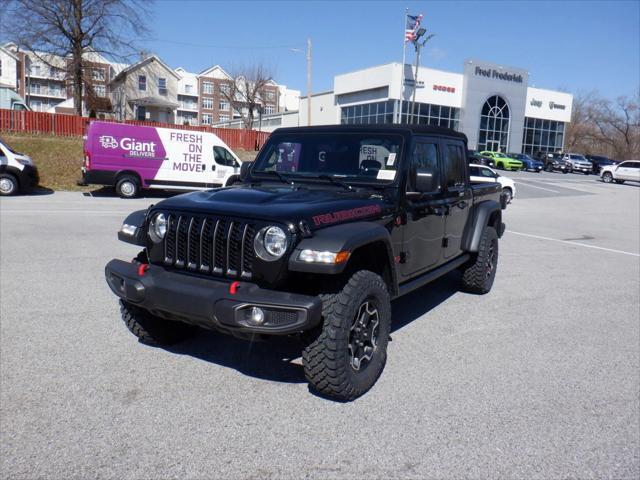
244 170
425 180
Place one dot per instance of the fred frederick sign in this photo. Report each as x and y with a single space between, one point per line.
497 74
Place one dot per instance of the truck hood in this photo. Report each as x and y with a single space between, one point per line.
283 204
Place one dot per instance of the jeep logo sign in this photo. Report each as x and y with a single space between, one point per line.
493 73
535 103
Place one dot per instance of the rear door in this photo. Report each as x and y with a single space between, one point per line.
424 229
457 194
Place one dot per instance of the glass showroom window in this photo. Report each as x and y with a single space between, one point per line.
435 115
378 112
542 135
494 125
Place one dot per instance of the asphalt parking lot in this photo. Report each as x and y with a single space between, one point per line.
538 379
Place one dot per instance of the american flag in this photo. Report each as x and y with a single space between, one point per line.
413 23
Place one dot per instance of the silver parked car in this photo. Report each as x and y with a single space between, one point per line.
577 163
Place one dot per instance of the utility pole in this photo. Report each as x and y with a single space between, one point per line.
415 83
418 46
309 82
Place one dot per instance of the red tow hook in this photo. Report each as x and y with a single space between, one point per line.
143 267
233 288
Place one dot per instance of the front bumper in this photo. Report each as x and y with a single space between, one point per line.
209 303
28 177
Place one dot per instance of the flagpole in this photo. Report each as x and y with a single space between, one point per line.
404 57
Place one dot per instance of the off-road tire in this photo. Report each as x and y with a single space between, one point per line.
127 186
327 360
476 277
152 330
10 183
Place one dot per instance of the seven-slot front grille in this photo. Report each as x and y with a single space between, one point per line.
210 245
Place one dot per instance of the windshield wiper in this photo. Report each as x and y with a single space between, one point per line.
332 179
278 174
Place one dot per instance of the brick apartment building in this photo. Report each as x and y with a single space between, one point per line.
214 106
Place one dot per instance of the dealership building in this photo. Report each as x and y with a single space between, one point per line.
494 105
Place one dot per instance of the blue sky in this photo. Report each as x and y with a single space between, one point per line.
577 46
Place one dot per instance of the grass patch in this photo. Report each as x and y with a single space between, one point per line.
59 159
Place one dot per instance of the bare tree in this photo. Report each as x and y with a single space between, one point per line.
247 91
602 126
71 28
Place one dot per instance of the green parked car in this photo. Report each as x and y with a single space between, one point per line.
502 161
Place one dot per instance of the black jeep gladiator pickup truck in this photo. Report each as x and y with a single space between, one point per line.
327 226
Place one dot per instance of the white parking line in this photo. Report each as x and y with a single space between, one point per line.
535 186
574 243
5 211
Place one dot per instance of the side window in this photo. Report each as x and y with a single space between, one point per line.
635 165
223 157
454 166
424 156
487 173
475 171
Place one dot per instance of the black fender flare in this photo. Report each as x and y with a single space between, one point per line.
346 237
484 213
138 220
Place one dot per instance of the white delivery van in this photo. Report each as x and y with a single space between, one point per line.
131 158
17 171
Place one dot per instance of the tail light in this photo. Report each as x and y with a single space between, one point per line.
87 160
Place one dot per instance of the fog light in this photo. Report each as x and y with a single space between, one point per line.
256 316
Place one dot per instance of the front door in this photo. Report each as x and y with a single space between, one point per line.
493 146
458 196
422 236
627 171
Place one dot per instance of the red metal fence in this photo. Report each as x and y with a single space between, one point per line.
74 126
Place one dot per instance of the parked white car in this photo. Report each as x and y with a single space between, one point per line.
629 170
484 174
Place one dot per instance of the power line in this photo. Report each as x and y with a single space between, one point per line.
230 47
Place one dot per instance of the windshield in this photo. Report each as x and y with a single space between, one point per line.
574 156
364 157
501 155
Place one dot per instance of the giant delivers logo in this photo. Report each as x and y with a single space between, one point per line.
133 147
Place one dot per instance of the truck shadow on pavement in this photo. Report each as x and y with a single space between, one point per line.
109 192
278 359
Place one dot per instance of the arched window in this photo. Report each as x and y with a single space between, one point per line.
494 125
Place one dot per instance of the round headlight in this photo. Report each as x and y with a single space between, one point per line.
158 227
270 243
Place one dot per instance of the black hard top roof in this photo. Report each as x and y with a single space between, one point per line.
384 128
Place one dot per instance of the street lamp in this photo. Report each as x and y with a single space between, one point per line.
418 45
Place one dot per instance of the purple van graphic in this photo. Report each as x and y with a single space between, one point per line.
151 157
